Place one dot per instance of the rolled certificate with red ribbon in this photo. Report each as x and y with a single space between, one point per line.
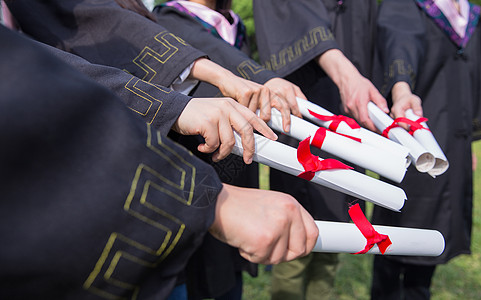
347 126
420 131
336 237
284 158
422 158
351 149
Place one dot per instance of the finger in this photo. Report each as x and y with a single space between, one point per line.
293 103
210 133
245 130
379 100
363 116
253 100
285 111
265 104
297 239
417 107
227 141
255 258
257 123
312 231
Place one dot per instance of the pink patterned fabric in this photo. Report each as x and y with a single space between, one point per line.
458 20
226 30
8 19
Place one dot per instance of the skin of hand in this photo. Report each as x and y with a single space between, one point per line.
403 99
355 90
288 91
248 93
215 119
268 227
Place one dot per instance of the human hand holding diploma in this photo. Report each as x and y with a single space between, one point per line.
284 158
422 159
364 155
347 126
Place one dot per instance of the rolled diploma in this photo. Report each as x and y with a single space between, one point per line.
367 136
377 160
426 138
422 159
284 158
345 237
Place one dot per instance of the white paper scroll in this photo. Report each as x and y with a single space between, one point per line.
284 158
426 138
367 136
346 238
364 155
422 159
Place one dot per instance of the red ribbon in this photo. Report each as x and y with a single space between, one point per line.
413 125
336 120
371 235
311 162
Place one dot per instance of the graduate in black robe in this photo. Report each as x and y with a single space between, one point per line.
74 164
96 203
424 60
318 45
104 33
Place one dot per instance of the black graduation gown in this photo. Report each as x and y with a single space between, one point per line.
414 49
156 105
290 35
104 33
212 269
95 203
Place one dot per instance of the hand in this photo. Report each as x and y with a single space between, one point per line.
403 99
268 227
214 119
287 92
248 93
355 90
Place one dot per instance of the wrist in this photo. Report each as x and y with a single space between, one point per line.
400 89
337 66
210 72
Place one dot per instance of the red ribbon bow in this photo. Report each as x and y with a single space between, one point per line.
311 162
371 235
413 125
320 135
336 120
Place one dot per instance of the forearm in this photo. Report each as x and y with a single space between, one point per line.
210 72
337 66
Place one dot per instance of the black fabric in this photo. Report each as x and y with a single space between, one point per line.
218 50
290 35
416 50
104 33
156 105
213 270
95 203
397 281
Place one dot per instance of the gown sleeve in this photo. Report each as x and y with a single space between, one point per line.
217 49
291 33
104 33
95 203
155 104
400 41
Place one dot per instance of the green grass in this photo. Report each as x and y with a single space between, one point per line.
459 279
